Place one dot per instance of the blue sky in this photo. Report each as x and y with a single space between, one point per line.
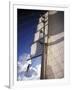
27 21
26 27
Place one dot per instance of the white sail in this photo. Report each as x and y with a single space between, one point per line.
33 49
36 49
36 36
39 26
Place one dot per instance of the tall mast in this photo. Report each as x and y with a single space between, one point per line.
45 48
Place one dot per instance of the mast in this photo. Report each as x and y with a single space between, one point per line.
39 47
45 47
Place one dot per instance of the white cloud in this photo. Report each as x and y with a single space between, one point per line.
34 70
